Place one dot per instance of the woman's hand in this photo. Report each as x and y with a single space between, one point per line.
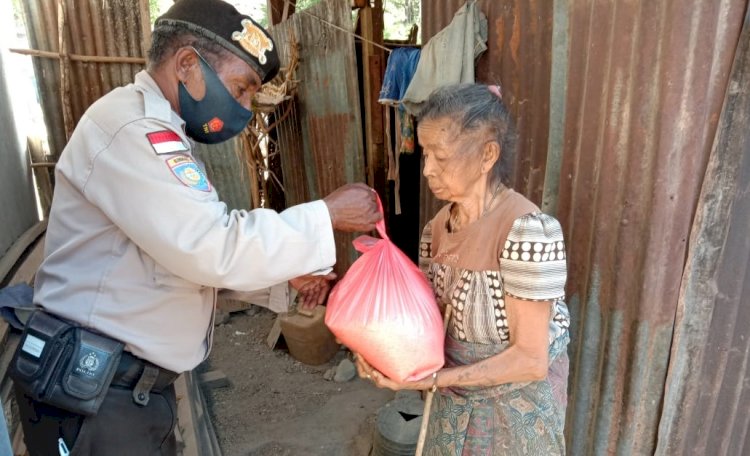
312 289
381 381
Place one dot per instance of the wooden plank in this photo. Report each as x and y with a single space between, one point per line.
26 272
232 305
375 72
16 251
6 356
42 175
8 399
146 21
275 333
19 446
193 423
371 27
4 334
185 428
213 379
209 444
286 11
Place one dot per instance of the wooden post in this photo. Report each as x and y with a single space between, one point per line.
42 174
64 70
373 67
279 10
145 26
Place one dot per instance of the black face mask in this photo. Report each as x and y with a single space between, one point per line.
218 116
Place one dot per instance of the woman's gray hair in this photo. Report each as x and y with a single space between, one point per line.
474 107
167 39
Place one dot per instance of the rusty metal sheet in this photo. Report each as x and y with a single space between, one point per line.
289 133
707 395
518 57
112 28
644 89
327 110
638 88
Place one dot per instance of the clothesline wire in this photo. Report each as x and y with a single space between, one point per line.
361 38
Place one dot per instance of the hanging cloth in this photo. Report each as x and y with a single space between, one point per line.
402 63
448 58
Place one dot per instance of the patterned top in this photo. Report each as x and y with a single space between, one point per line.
513 250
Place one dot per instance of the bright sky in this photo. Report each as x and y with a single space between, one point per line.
252 8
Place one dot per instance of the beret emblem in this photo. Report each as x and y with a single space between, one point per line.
253 40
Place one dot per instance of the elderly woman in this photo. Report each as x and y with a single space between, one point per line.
499 263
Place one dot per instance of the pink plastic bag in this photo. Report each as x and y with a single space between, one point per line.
385 310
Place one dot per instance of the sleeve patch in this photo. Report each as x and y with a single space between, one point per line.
166 142
188 173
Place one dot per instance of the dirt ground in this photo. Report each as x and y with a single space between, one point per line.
277 406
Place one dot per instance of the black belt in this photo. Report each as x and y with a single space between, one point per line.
133 371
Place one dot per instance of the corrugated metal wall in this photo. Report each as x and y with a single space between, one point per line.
518 58
326 121
94 28
645 86
708 396
636 93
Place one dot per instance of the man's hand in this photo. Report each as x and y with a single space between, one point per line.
312 289
353 207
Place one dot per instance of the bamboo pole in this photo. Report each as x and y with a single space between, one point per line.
78 57
145 17
430 394
64 70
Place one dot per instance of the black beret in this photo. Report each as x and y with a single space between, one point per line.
221 22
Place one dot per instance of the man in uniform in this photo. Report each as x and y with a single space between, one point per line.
138 242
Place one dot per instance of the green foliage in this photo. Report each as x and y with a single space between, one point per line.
18 14
399 17
299 5
155 9
302 4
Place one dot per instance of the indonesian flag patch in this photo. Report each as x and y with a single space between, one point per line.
188 172
166 142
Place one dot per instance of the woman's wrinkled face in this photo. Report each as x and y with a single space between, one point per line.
451 166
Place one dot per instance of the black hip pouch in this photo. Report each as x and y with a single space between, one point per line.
64 365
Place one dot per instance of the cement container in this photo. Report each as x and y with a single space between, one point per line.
307 337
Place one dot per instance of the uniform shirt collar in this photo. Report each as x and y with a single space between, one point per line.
155 105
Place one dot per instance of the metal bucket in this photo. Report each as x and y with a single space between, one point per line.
398 424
